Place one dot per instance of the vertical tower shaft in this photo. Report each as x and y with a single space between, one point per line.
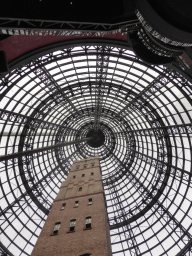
77 224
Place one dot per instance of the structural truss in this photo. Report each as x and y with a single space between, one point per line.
142 118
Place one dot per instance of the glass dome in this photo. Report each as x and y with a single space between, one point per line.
142 118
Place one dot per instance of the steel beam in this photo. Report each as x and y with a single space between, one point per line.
154 201
186 249
11 116
156 197
4 251
19 26
45 75
27 193
101 73
121 211
170 129
5 134
29 190
31 152
155 160
144 91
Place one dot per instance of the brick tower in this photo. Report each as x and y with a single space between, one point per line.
77 224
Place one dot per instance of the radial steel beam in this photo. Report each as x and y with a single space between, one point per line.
29 191
11 116
170 129
143 92
166 211
101 74
154 201
186 249
31 152
4 251
51 83
150 159
133 246
5 134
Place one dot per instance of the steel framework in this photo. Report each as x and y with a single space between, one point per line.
16 26
58 95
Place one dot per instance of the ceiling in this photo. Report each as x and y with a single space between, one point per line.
63 92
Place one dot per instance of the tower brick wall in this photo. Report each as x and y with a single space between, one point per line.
94 240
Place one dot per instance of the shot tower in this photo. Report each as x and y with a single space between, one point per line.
77 224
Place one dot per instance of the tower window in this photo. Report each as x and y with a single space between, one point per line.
88 223
92 164
76 203
92 173
83 175
80 188
90 201
85 166
56 228
86 254
63 206
74 177
72 225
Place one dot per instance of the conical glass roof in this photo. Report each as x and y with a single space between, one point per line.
141 116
